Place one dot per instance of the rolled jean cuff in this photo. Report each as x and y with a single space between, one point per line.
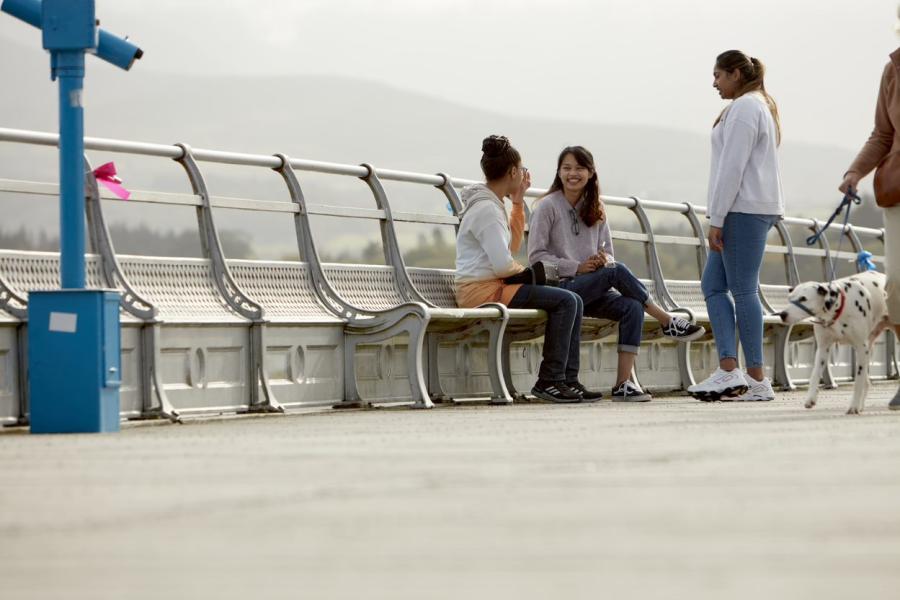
629 349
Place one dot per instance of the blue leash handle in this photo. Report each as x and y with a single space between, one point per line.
850 198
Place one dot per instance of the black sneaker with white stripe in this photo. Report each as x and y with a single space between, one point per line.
586 394
682 330
555 391
628 391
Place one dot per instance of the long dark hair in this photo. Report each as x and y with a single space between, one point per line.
753 77
498 157
592 210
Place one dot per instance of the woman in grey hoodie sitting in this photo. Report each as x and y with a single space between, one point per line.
484 257
569 229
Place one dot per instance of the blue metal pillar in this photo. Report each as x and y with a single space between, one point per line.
69 67
73 334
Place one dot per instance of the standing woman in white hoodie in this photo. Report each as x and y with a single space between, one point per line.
485 244
745 200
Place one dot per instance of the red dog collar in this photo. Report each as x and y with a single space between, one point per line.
840 309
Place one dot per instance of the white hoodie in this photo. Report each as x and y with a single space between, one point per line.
744 175
482 243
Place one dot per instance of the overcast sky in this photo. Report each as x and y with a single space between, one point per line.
611 61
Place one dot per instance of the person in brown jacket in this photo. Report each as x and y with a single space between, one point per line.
885 139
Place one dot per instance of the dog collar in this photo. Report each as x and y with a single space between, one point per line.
837 315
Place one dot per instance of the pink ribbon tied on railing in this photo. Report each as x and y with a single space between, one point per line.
106 174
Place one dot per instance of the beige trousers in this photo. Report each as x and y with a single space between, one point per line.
892 258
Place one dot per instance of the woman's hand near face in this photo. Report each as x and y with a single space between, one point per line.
518 196
715 239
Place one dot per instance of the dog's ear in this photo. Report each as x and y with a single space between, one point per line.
821 289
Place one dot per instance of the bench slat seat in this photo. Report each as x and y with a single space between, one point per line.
182 289
284 290
27 270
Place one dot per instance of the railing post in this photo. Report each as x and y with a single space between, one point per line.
392 253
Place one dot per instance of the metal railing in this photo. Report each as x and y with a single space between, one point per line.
200 199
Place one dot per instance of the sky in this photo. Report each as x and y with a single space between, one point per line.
608 61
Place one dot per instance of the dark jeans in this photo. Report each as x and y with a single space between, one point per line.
562 334
624 304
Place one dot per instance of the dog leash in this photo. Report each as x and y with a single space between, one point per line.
850 198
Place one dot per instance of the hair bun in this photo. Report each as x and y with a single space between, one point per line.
495 145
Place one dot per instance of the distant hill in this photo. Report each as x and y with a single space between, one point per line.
354 121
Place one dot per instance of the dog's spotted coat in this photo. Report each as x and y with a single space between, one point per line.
838 320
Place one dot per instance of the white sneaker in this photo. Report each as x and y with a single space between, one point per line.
760 391
720 385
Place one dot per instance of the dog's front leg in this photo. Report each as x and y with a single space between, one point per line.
861 379
823 345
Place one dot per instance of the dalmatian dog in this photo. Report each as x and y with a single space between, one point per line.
852 310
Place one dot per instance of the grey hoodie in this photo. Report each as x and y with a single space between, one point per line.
552 237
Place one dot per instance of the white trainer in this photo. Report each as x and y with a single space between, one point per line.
720 385
760 391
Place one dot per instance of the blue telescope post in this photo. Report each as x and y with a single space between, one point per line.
73 333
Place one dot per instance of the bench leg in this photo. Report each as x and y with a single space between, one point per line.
259 379
505 349
782 374
415 366
155 403
412 324
435 390
684 366
22 360
498 368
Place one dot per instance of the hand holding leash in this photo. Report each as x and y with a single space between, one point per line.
850 198
848 185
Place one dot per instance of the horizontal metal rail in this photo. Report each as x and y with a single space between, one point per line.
273 162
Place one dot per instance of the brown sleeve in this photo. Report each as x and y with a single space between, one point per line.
879 144
516 227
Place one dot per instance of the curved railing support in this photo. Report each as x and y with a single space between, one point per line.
233 295
391 245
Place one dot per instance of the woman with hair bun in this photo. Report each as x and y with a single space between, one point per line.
745 201
485 245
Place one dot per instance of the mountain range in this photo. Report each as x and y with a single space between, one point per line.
331 118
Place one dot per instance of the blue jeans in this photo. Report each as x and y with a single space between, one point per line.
624 304
736 270
562 334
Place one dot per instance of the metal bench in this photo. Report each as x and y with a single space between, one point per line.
217 334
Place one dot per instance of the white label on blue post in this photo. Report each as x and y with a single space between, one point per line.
63 322
76 99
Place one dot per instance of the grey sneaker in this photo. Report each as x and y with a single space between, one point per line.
628 391
894 404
